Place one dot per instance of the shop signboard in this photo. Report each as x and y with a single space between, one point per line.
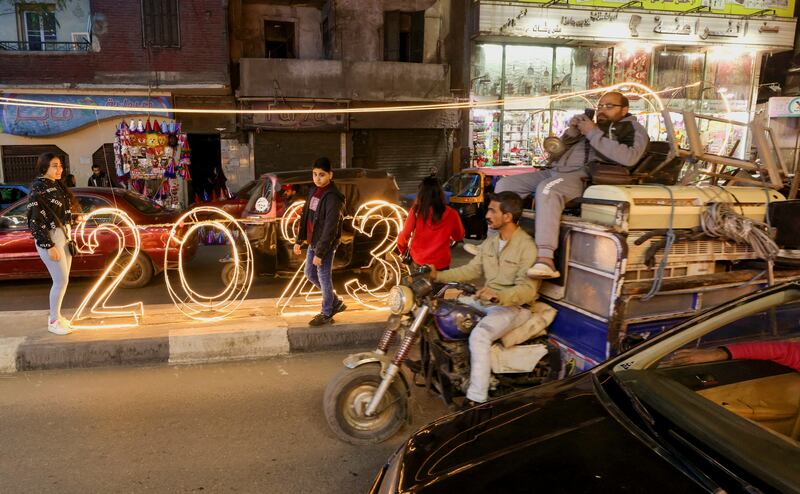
296 121
591 24
781 8
44 121
784 107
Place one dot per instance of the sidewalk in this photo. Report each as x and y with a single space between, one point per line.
255 330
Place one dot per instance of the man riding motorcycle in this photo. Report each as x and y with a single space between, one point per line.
503 261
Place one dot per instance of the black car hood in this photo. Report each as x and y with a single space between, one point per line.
553 438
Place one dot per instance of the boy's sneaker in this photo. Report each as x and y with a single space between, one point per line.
340 307
56 327
321 320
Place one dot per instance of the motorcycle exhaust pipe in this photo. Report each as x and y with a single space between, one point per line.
394 367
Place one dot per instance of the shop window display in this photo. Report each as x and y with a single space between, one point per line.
528 70
674 69
573 69
487 71
632 64
517 141
485 137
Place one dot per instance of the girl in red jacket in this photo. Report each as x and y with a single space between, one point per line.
430 227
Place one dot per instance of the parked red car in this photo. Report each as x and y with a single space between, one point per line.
19 260
236 204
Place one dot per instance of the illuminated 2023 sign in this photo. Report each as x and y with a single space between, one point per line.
195 305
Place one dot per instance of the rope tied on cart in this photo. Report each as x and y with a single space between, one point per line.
720 220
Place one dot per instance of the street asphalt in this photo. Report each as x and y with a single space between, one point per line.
233 427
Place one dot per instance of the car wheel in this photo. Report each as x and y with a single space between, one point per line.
140 273
228 271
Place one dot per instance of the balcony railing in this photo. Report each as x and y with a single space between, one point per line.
50 46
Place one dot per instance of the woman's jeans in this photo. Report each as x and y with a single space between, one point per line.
322 278
59 270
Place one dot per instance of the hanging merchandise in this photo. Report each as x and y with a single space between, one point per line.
150 158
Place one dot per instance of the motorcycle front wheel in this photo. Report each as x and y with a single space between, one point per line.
346 398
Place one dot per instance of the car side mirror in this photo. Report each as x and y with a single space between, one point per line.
6 223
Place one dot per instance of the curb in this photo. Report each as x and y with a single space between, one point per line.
18 354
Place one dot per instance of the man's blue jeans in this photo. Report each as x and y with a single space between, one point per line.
322 278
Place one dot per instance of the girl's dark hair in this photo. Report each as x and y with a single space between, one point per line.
43 162
430 200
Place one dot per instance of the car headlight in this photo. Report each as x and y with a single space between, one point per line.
400 300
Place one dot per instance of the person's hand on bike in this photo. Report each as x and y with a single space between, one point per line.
297 249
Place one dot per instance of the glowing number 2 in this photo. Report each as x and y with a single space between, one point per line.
94 307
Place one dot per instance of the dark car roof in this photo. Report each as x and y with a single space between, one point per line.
338 174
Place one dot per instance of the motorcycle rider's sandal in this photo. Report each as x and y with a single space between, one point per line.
321 320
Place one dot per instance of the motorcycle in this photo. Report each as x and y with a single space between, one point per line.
367 402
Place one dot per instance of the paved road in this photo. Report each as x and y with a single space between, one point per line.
236 427
203 272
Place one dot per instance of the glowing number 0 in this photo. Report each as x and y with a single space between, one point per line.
87 243
210 307
193 304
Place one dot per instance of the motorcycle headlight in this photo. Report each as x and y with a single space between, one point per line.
400 300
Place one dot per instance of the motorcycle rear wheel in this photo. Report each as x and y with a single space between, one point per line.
347 396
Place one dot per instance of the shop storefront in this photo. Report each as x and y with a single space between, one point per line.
536 55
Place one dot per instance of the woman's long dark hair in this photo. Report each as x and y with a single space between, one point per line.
430 200
43 163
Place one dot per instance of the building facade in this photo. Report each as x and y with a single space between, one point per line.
350 54
148 53
699 55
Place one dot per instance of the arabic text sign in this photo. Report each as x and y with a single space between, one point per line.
587 23
784 107
36 121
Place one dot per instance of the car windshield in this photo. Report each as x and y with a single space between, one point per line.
244 192
733 373
142 203
464 185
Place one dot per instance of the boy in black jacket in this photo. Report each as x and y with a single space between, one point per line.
321 229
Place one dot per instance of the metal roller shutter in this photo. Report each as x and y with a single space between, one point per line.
409 154
286 151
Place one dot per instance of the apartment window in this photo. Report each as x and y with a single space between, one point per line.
279 39
403 36
38 23
160 26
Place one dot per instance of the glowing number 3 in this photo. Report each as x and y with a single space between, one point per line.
192 304
375 218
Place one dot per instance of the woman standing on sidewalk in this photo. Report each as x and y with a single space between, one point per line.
49 214
430 227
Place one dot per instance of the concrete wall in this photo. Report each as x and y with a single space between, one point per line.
362 81
73 18
359 26
249 30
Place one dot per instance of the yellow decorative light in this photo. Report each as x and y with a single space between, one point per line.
95 304
376 218
209 307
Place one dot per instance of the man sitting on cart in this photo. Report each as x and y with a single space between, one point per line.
502 261
616 138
